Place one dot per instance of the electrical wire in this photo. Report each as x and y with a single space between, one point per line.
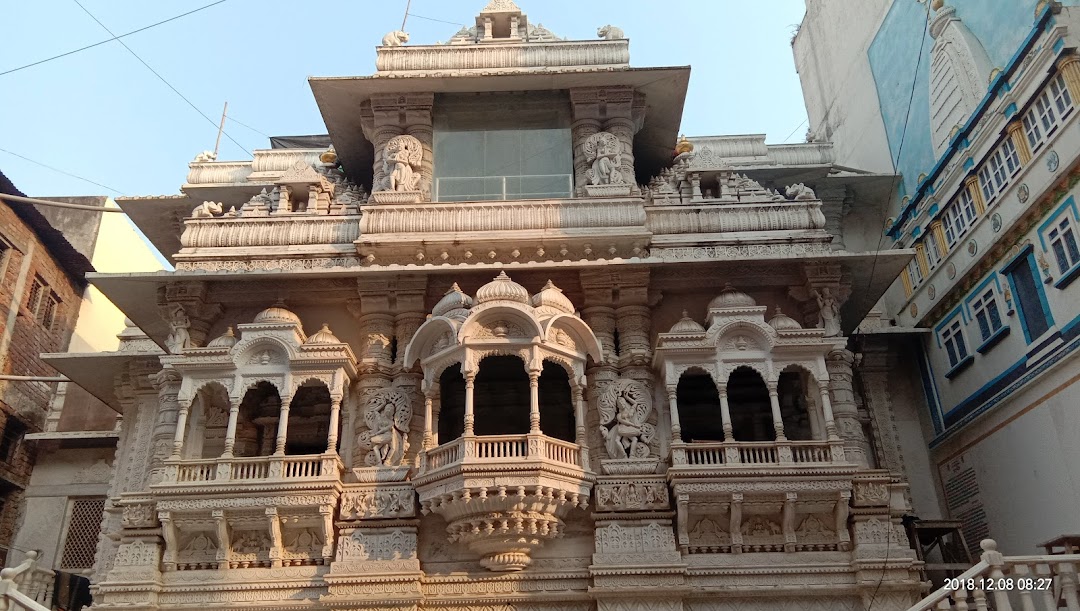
242 124
97 44
896 162
161 78
805 121
49 167
435 20
900 149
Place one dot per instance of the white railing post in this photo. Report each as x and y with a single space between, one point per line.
996 562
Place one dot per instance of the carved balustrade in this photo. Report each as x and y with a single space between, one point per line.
290 230
758 453
260 469
545 55
1005 583
218 172
729 218
520 450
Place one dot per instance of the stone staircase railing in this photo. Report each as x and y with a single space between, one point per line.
26 587
1008 583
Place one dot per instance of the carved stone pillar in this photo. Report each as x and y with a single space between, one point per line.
389 115
167 383
534 402
405 326
635 347
845 411
282 426
873 372
618 110
470 418
835 204
601 319
580 131
230 428
181 429
335 415
193 298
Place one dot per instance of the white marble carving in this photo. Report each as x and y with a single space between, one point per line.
624 408
386 414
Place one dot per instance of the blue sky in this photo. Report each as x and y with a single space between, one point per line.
102 115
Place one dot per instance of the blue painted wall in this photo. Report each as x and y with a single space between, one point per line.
1001 26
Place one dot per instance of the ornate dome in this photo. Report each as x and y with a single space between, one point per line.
732 298
686 325
277 314
228 340
453 303
502 288
550 300
781 322
323 336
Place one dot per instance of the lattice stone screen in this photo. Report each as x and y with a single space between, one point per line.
84 526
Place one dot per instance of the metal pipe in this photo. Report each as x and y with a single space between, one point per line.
45 202
13 378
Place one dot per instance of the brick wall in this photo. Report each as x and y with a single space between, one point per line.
27 402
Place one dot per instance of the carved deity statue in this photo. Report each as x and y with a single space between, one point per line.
395 39
401 161
828 312
603 151
179 337
624 408
387 414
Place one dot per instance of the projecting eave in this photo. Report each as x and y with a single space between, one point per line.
339 100
95 372
160 218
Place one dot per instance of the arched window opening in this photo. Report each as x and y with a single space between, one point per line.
795 408
309 421
206 431
256 433
556 403
451 404
501 397
748 402
698 403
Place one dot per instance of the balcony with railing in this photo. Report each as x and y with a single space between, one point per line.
743 454
186 473
516 451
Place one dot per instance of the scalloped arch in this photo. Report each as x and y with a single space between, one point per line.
242 351
253 382
581 332
198 386
762 331
426 335
516 312
762 369
708 370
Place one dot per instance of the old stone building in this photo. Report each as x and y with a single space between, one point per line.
510 342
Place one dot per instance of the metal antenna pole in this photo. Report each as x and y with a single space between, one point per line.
408 3
221 128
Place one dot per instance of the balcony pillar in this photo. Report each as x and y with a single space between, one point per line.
470 379
778 419
428 421
673 406
725 417
845 410
580 437
534 402
826 409
282 426
230 429
181 429
332 435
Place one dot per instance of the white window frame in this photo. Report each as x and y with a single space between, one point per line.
1064 225
1011 157
985 310
1059 92
915 272
1032 131
952 334
1044 110
933 251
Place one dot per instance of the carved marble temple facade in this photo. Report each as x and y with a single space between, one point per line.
510 343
